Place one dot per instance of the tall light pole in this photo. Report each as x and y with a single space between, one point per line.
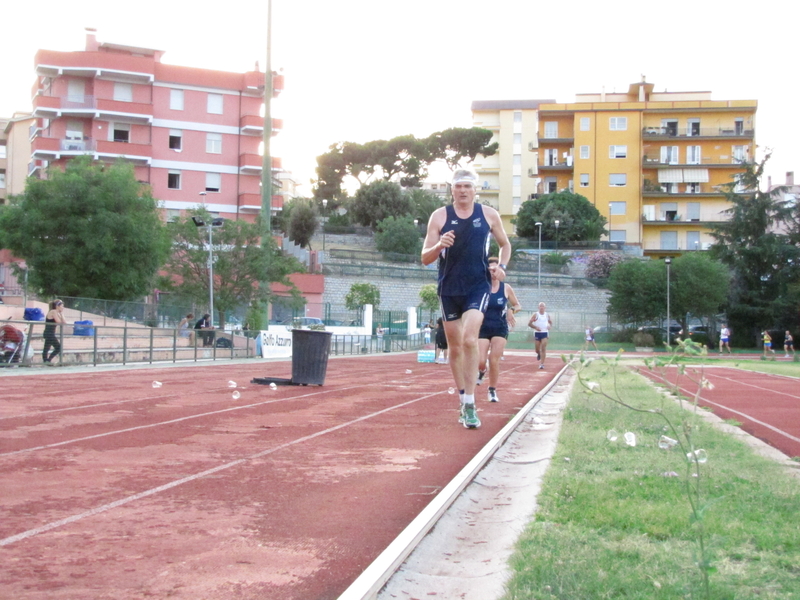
539 225
209 227
557 223
668 262
324 220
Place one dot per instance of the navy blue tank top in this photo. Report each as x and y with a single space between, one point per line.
495 315
464 266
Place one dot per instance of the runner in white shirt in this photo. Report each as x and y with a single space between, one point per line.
540 323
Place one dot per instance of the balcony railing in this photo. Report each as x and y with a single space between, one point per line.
672 132
680 220
652 161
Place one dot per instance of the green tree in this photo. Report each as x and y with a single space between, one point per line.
243 268
638 291
405 156
398 235
430 299
92 230
765 261
378 200
303 222
424 203
578 218
698 286
361 294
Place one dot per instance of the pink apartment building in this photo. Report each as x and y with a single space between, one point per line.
193 134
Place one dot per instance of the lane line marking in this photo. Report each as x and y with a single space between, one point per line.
117 503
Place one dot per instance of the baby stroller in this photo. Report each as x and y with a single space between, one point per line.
12 344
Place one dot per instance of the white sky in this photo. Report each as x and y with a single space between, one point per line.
359 70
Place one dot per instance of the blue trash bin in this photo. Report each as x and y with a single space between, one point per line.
33 314
83 328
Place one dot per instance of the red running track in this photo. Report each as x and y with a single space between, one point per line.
114 489
767 406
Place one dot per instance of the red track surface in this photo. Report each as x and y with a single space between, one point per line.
767 406
113 489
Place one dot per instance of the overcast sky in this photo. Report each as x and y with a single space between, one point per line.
359 70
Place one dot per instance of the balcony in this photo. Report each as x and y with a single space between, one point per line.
703 132
53 107
699 190
55 148
543 141
655 162
254 125
252 164
705 220
557 165
252 202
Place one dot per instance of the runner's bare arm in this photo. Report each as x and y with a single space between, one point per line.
500 236
434 240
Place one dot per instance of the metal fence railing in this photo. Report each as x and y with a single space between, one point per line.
83 344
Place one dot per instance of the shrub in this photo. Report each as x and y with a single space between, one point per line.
643 340
600 264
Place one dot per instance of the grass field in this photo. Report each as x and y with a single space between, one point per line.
615 521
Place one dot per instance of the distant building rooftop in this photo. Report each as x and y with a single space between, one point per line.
508 104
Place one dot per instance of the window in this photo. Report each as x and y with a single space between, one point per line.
214 105
617 235
175 139
669 155
693 127
584 152
214 143
738 126
670 126
693 240
173 214
551 157
76 90
616 208
693 210
550 185
669 211
693 188
617 152
74 130
617 179
551 130
123 92
176 99
693 156
516 181
740 154
2 151
2 179
584 180
174 180
669 188
517 116
213 182
669 240
121 132
585 123
618 123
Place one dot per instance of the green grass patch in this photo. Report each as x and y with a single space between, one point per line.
614 521
733 422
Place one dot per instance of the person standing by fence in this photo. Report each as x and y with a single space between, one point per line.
52 331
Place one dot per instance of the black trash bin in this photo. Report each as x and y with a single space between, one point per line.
310 352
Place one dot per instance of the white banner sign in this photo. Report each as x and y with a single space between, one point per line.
276 342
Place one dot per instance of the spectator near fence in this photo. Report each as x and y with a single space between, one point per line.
54 317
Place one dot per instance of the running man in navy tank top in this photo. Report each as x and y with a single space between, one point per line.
458 236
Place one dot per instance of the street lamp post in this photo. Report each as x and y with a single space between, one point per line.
557 223
539 225
324 220
209 227
668 262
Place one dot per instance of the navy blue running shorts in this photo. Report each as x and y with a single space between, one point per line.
455 306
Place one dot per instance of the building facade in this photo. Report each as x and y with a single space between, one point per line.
194 135
653 163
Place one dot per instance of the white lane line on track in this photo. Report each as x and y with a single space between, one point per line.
750 418
758 387
105 507
171 421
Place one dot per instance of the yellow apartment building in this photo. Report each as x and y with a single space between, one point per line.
651 162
